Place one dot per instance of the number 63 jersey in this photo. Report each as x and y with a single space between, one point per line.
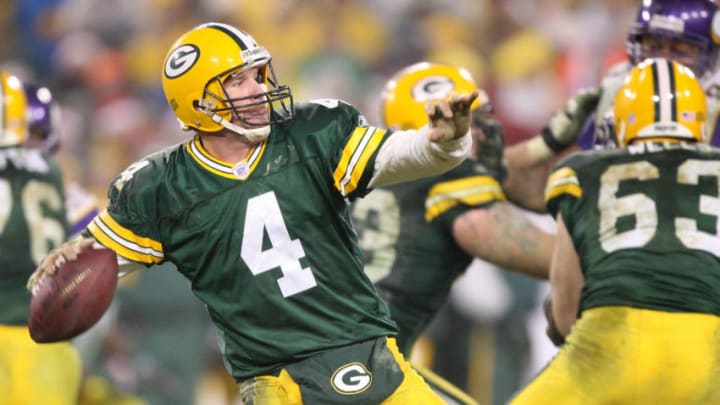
644 222
266 243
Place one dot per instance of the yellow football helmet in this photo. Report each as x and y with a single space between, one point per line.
196 67
13 111
405 94
660 100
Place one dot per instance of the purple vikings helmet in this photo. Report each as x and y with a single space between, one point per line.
43 115
692 25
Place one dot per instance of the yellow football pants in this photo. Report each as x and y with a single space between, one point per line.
32 373
622 355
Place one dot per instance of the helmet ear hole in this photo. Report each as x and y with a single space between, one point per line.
203 104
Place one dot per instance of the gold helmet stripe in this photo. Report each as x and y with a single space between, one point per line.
243 40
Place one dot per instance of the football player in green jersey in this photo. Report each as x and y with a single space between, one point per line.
683 30
44 134
418 237
636 268
254 210
32 221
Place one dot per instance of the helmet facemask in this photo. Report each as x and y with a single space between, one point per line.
687 27
196 71
223 109
691 51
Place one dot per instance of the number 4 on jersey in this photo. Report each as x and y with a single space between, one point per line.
264 215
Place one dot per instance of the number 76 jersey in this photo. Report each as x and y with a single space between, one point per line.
645 223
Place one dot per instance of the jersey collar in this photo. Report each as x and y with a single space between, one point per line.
236 171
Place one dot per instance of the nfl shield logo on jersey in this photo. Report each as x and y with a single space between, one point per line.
241 170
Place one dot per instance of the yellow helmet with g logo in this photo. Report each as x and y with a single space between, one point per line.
196 67
13 111
660 100
405 94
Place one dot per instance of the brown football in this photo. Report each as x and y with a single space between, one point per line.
74 298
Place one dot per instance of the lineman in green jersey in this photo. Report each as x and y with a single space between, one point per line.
253 210
418 237
637 258
32 221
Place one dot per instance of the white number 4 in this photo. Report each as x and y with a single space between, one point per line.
263 214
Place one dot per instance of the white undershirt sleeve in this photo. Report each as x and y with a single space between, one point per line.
125 267
409 155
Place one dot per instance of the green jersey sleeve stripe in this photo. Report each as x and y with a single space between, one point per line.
356 154
563 181
124 242
471 191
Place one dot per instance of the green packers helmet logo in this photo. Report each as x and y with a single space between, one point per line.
181 60
432 87
351 379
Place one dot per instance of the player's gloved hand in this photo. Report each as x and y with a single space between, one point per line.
488 146
450 119
565 125
552 330
68 251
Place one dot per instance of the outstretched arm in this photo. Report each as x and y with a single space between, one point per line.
526 176
432 150
502 235
528 162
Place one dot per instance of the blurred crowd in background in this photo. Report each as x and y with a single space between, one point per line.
102 59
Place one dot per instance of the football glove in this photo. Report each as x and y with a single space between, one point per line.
565 125
489 149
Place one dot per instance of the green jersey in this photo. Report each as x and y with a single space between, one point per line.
32 222
406 235
266 243
644 222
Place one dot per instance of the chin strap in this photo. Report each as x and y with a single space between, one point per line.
255 135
